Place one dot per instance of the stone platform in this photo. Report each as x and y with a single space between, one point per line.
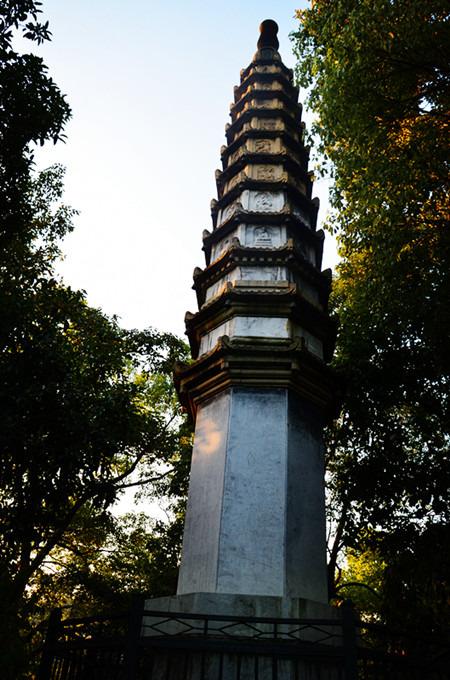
227 604
213 636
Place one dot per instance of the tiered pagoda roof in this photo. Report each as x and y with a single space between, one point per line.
262 298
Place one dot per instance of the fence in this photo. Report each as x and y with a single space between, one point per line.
150 645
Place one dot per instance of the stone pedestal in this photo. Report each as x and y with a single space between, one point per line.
255 521
243 606
264 647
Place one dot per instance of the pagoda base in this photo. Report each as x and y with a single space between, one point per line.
228 604
259 637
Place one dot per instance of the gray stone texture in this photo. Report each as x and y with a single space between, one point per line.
243 605
255 522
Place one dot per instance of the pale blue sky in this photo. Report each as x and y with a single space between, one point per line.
149 84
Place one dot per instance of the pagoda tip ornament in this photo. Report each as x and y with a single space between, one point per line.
268 38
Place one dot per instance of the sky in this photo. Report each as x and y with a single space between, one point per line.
149 84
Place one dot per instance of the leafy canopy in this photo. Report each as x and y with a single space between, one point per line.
81 407
379 81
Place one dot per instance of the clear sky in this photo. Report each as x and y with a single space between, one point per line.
149 83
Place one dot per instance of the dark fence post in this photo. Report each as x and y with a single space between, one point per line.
133 637
349 621
54 623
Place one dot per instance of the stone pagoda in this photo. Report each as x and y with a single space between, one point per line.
259 389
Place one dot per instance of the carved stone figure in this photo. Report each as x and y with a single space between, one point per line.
263 236
266 172
263 201
263 145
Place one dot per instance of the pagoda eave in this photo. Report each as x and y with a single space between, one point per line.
257 362
291 120
269 63
285 160
288 256
262 95
310 205
286 302
291 140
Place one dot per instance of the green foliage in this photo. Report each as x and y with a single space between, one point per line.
362 581
33 110
103 562
403 580
87 407
380 85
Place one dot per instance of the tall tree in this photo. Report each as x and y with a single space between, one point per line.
379 79
77 422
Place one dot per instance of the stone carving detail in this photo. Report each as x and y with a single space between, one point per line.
264 201
266 69
233 181
237 154
263 237
268 124
275 85
222 245
263 273
266 172
265 104
229 211
263 145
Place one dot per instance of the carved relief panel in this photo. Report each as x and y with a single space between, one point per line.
264 145
241 176
237 154
263 274
222 245
264 236
265 201
270 68
274 85
264 104
271 124
267 146
268 173
228 212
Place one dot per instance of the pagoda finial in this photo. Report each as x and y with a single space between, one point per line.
268 38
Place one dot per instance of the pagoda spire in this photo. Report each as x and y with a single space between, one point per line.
259 389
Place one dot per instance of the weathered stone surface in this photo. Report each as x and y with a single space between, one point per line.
228 604
255 520
247 326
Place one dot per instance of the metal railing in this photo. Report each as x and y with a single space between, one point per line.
154 645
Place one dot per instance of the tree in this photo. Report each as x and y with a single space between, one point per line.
78 424
379 81
33 111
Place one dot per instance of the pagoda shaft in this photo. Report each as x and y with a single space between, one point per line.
255 520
